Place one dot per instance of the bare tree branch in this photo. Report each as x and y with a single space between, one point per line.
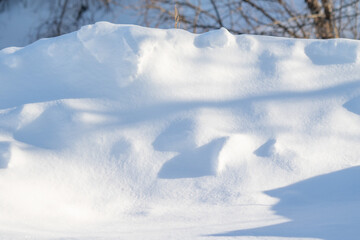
217 13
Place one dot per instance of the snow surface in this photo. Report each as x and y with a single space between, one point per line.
124 132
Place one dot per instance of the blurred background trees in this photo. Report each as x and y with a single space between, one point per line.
287 18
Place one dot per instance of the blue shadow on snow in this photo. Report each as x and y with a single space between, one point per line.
325 207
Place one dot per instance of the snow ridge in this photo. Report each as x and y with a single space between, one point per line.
147 130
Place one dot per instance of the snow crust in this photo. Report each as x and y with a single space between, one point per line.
119 131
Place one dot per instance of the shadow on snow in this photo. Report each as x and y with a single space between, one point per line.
326 207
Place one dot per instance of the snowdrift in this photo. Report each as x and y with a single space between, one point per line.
123 131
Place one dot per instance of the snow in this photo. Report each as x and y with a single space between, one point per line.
124 132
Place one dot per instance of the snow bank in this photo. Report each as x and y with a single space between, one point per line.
119 130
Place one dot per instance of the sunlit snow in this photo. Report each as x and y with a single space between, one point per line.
124 132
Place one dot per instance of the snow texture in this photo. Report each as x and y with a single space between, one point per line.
124 132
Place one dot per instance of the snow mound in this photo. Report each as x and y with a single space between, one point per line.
121 131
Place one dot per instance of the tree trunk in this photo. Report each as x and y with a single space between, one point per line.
323 18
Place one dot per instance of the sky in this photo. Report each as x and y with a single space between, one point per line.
21 21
